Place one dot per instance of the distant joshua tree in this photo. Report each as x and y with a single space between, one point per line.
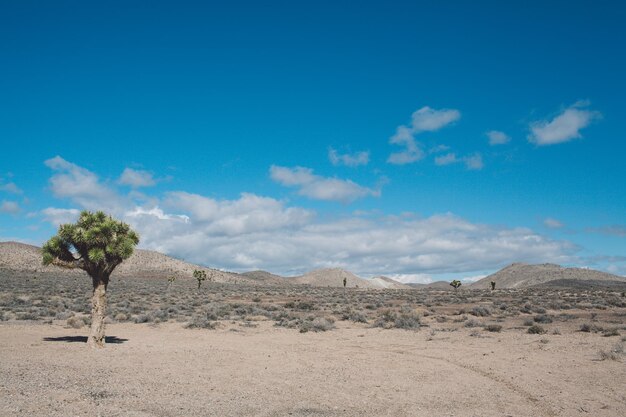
456 284
493 285
199 276
170 281
96 243
345 282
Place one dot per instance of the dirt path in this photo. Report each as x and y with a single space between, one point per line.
267 371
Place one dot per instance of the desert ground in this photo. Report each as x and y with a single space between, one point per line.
240 350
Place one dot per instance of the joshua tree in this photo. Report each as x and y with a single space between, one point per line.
170 281
200 276
493 285
456 284
96 243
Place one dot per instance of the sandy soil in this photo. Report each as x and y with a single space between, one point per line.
167 370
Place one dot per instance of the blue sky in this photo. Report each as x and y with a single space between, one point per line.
422 141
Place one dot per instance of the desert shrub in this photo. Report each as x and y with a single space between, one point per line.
542 319
75 322
386 319
143 318
610 332
407 321
356 316
27 315
64 315
200 322
318 324
121 317
613 354
494 328
479 311
528 322
586 328
472 323
536 329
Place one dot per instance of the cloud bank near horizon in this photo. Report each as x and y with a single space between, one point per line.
258 232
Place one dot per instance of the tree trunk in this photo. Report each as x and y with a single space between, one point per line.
98 312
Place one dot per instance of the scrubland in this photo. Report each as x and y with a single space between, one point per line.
236 349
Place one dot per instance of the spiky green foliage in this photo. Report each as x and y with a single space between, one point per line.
200 276
96 243
456 284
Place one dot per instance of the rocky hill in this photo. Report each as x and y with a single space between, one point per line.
520 275
264 277
143 263
332 277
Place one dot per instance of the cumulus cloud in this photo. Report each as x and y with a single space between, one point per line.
10 187
472 162
447 159
257 232
318 187
425 119
136 178
58 216
564 127
553 223
347 159
497 138
10 207
82 186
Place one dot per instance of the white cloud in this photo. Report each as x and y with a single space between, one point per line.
82 187
10 187
472 162
412 152
58 216
447 159
412 278
564 127
552 223
136 178
350 160
250 213
318 187
498 138
425 119
256 232
10 207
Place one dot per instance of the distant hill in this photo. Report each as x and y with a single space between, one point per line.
332 277
584 284
521 275
143 263
386 282
264 277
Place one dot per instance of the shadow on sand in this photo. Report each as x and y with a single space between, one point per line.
83 339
